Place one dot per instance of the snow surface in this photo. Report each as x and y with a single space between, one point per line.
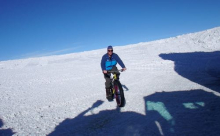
172 87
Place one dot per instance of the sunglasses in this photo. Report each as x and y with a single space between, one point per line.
110 50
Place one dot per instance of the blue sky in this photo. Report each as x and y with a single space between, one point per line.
32 28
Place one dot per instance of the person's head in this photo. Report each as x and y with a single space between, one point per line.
110 50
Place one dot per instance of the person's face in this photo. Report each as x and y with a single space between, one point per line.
110 51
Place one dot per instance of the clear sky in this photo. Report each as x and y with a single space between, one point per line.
31 28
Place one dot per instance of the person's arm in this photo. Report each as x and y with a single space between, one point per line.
103 63
120 62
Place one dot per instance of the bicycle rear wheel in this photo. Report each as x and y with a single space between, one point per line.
119 94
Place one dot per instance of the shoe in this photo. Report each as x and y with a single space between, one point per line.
109 95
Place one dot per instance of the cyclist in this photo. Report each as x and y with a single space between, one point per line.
108 62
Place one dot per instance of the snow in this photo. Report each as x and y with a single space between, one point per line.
172 87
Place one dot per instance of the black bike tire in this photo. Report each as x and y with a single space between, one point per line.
117 83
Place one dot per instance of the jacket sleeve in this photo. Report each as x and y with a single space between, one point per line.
120 62
103 63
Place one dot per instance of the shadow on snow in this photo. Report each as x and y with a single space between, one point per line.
194 112
125 87
112 122
200 67
5 132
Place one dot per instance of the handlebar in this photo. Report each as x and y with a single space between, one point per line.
121 70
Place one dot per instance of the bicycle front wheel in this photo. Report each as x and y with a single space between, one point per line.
119 94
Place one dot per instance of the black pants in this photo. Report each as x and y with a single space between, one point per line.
107 77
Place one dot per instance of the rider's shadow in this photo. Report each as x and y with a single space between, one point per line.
125 87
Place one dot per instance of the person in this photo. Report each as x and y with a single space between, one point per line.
108 63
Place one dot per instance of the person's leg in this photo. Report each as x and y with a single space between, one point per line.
108 87
107 81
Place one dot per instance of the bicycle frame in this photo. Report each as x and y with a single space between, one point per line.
114 77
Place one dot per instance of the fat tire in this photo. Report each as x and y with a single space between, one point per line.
117 83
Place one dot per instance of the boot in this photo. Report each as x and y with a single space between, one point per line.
109 95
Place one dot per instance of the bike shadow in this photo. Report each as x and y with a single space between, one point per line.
5 132
125 87
182 113
199 67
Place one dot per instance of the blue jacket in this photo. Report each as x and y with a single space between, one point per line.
108 62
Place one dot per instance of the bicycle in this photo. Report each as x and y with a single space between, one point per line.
117 90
